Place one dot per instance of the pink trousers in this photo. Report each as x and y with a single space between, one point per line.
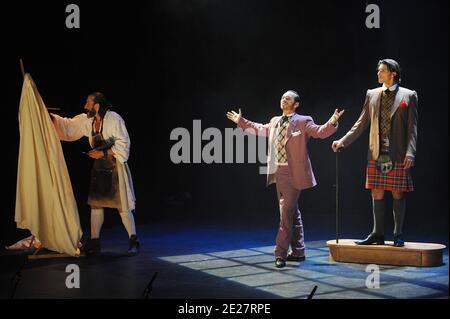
290 231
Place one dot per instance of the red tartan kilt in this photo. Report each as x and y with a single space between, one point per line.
398 179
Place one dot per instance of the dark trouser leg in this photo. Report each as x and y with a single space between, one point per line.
377 235
399 207
378 216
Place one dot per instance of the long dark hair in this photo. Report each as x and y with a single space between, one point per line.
104 104
392 66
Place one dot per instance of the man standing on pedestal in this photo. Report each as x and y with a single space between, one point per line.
391 111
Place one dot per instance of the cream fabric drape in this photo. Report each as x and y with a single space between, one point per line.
45 203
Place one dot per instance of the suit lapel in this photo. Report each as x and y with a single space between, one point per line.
398 98
291 126
273 131
377 104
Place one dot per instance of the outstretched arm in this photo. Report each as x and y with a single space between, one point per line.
360 125
248 126
71 129
325 130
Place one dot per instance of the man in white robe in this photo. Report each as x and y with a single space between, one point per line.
111 183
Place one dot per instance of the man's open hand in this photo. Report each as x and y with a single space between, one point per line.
335 117
233 116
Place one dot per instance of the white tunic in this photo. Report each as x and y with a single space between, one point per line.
72 129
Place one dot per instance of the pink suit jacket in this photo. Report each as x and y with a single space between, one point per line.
300 129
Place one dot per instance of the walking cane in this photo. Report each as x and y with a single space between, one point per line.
337 196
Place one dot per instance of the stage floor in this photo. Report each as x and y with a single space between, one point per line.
214 261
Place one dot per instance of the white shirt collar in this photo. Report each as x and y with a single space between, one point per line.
392 88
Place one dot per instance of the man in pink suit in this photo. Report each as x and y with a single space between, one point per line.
289 167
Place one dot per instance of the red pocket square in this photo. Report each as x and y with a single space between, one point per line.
403 104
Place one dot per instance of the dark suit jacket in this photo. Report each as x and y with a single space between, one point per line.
403 135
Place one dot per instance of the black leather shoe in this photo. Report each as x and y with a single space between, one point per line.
92 247
134 246
372 239
280 263
291 257
398 240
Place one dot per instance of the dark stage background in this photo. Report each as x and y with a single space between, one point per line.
165 63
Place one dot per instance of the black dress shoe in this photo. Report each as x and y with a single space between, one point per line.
291 257
280 263
134 246
398 241
372 239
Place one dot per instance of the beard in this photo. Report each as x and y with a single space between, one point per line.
90 113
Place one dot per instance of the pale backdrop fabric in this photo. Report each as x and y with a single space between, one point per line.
45 203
